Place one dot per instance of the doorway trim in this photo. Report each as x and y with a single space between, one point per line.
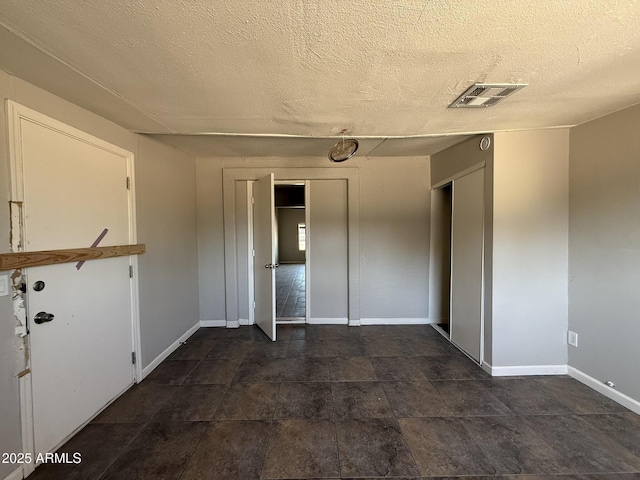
15 114
232 175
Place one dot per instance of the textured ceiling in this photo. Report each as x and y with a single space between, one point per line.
302 68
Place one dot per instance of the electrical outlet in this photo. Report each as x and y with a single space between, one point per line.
572 338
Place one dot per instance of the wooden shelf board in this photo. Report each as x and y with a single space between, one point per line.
12 261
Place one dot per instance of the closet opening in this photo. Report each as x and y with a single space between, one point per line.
441 199
290 248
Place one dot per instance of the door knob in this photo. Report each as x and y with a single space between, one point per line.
272 265
43 317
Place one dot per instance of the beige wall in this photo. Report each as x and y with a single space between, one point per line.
395 203
604 253
459 158
530 248
211 279
288 220
166 205
166 218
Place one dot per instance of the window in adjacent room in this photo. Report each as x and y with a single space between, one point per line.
302 237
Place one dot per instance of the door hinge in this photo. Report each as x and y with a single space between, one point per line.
128 183
130 271
253 201
133 358
254 304
254 253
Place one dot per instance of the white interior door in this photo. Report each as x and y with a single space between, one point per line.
264 263
467 243
73 190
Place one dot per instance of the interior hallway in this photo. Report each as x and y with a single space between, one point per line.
328 402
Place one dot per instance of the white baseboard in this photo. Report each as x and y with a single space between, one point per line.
328 321
15 475
213 323
524 370
354 322
243 322
233 323
600 387
168 351
396 321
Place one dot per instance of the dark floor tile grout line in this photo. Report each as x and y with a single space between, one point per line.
197 444
268 442
122 452
143 425
335 433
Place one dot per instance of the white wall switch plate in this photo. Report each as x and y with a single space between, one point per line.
572 338
4 285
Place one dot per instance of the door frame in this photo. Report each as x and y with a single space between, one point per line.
230 176
15 114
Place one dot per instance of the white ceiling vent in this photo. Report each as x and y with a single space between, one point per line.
485 94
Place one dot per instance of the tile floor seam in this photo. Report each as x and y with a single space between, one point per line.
415 463
121 453
270 436
184 467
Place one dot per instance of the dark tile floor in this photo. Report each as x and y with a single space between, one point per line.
328 402
290 291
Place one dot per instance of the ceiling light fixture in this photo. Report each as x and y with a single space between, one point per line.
485 94
344 149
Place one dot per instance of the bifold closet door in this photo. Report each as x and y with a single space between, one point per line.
328 251
467 232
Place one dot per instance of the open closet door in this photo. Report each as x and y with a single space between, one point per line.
264 264
467 242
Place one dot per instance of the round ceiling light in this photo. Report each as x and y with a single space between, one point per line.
343 150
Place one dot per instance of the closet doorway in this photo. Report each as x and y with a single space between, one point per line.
457 269
291 253
440 282
331 236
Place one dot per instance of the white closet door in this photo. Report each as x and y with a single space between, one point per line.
467 232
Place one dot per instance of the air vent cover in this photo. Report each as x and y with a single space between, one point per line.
485 94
